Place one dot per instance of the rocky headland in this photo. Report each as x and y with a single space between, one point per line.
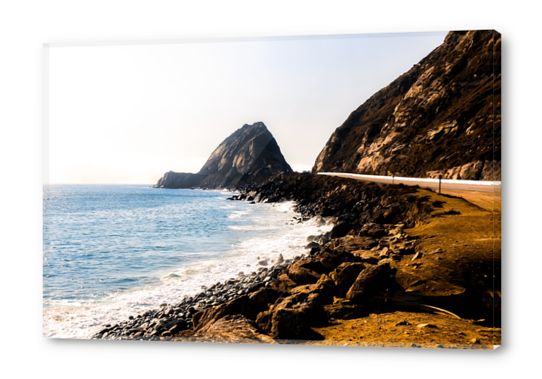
250 154
442 117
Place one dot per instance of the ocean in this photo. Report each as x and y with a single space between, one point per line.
112 251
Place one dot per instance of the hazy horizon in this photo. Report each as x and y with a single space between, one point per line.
126 114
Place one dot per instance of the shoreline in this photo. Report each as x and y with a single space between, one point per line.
213 295
351 273
248 247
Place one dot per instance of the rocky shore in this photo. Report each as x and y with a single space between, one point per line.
354 271
170 319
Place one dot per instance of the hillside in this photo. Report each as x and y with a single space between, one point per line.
440 117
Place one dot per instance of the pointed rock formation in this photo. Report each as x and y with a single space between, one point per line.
442 117
251 153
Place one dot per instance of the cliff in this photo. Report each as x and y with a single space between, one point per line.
251 153
442 117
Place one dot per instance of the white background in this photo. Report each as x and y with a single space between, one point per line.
26 25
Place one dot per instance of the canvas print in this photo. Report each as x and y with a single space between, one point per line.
319 190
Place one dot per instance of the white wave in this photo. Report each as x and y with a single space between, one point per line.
287 206
227 206
248 227
237 214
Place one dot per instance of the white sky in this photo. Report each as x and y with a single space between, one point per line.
129 113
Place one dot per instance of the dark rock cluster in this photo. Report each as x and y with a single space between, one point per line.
351 204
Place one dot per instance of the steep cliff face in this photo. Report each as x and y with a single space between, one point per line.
442 117
250 153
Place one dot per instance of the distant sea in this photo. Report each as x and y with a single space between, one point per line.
111 251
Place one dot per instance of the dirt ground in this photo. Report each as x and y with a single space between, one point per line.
487 200
406 329
452 282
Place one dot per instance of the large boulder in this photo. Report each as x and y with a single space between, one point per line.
263 297
291 318
302 271
283 283
331 259
341 229
243 305
370 281
345 275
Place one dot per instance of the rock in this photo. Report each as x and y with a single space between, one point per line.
283 283
179 180
264 296
312 245
373 230
341 229
251 153
325 282
301 275
345 275
471 170
491 171
401 128
306 289
310 264
340 309
292 317
330 261
243 305
359 243
179 326
232 328
370 281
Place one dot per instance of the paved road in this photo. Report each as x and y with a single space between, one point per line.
484 194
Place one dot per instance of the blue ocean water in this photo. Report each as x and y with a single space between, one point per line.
113 250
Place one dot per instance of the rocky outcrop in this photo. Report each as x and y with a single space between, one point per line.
173 179
250 154
442 117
